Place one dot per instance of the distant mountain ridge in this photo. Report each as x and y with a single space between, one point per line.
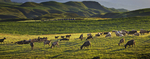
33 10
5 0
71 9
135 13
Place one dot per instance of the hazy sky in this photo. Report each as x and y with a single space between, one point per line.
126 4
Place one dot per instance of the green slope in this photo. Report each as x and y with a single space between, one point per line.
32 10
135 13
5 0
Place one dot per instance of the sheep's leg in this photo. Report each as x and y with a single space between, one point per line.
129 45
49 44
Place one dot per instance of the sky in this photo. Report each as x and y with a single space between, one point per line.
118 4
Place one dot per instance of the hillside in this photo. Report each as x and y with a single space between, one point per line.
32 10
135 13
5 0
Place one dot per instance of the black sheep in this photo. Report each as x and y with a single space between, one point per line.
131 42
19 42
132 32
62 36
97 57
89 37
86 44
106 33
68 36
56 37
81 37
2 40
32 45
64 39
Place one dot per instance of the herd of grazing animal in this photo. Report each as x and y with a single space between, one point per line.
87 42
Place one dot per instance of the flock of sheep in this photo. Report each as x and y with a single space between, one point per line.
85 44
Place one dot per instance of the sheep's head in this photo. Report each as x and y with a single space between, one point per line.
4 38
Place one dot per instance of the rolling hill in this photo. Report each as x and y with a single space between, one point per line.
135 13
32 10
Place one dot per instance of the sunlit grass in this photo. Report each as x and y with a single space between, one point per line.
101 46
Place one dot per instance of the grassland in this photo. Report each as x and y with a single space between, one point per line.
75 26
105 48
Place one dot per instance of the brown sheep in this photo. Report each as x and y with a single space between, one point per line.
86 44
89 37
143 31
47 42
54 43
121 41
131 42
136 34
81 37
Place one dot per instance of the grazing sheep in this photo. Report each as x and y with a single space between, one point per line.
2 40
68 36
23 42
131 42
32 45
81 37
86 44
121 41
47 42
143 31
98 34
132 32
62 36
119 33
89 34
114 30
26 42
89 37
56 37
19 42
64 39
42 39
54 43
97 57
108 35
136 34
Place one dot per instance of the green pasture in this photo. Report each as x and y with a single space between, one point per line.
75 26
105 48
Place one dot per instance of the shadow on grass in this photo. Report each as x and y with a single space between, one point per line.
144 56
71 50
117 50
56 56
